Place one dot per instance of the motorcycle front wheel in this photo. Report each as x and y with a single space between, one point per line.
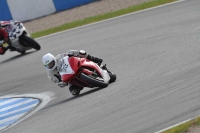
113 77
93 81
30 42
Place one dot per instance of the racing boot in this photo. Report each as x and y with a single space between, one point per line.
95 59
75 89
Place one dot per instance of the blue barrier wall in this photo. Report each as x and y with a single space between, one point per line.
23 10
4 11
67 4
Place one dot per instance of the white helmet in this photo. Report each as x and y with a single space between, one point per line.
49 62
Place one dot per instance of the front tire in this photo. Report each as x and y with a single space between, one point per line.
93 81
30 42
113 77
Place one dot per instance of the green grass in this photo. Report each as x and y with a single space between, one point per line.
101 17
183 128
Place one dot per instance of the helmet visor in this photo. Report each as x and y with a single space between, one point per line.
50 65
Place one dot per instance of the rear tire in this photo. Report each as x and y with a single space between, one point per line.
30 42
93 81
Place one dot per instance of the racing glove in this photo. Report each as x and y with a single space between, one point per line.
82 54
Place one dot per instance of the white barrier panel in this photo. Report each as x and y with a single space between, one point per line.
22 10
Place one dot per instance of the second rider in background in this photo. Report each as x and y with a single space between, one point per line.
4 38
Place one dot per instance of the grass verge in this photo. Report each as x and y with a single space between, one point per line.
183 128
101 17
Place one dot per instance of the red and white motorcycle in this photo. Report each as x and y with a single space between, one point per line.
19 37
85 73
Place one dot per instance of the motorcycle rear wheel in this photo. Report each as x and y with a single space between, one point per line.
93 81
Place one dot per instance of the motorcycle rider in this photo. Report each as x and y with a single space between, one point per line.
4 38
53 65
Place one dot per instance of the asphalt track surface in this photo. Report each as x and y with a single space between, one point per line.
156 56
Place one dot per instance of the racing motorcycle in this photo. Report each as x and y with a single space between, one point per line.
85 73
19 38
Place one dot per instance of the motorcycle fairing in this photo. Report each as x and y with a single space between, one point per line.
106 76
15 43
89 64
67 69
72 66
16 30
